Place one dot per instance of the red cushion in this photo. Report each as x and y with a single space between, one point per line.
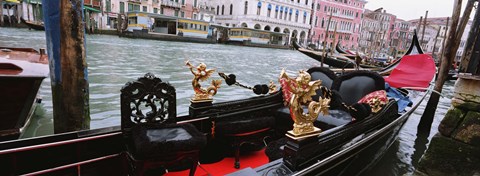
376 100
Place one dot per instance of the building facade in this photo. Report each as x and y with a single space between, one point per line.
400 37
433 24
376 32
291 17
346 16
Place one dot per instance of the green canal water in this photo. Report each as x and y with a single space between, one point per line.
113 61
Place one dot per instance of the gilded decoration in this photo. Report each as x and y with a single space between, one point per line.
298 93
201 73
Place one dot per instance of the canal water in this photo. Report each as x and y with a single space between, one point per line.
113 61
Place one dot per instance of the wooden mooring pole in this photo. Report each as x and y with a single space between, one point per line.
1 12
470 62
65 35
454 38
424 26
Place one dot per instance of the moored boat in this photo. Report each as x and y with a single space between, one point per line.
345 135
22 70
34 25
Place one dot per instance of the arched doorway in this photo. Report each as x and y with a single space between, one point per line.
302 38
267 28
294 36
257 26
244 25
277 29
286 31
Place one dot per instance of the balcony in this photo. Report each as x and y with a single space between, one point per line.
343 16
173 4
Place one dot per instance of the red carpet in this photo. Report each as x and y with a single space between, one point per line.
251 159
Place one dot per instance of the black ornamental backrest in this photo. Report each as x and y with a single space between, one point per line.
147 101
321 73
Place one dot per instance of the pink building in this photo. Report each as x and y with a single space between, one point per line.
346 16
400 36
377 28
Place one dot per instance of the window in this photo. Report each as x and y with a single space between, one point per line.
306 2
246 8
323 22
183 2
231 9
259 8
223 9
122 7
268 12
296 17
155 10
176 13
130 7
108 5
195 3
318 6
145 8
289 18
161 10
316 21
218 10
182 14
276 13
304 19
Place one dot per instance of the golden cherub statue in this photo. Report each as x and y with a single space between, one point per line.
201 73
297 93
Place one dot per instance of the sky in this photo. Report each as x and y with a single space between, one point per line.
413 9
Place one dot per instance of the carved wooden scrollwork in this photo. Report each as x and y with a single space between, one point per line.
148 100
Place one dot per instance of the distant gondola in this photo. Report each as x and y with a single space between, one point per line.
335 60
342 61
34 25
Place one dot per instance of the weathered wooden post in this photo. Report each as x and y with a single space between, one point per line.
454 38
65 37
444 39
471 55
455 149
325 41
424 26
1 12
435 43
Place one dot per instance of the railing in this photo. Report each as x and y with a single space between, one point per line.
171 4
343 16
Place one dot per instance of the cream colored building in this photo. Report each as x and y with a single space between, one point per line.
291 17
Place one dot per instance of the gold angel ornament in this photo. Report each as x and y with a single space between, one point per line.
201 73
298 93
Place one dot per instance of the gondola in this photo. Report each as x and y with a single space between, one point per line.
342 61
34 25
348 133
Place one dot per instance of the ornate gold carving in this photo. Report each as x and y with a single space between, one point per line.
298 93
201 73
272 88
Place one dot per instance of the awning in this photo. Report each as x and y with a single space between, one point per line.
12 2
91 9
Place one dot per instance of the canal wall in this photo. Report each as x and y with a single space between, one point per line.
455 150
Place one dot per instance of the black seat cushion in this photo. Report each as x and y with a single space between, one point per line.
354 85
243 124
152 141
321 73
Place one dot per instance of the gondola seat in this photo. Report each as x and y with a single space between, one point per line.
153 139
242 129
354 85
